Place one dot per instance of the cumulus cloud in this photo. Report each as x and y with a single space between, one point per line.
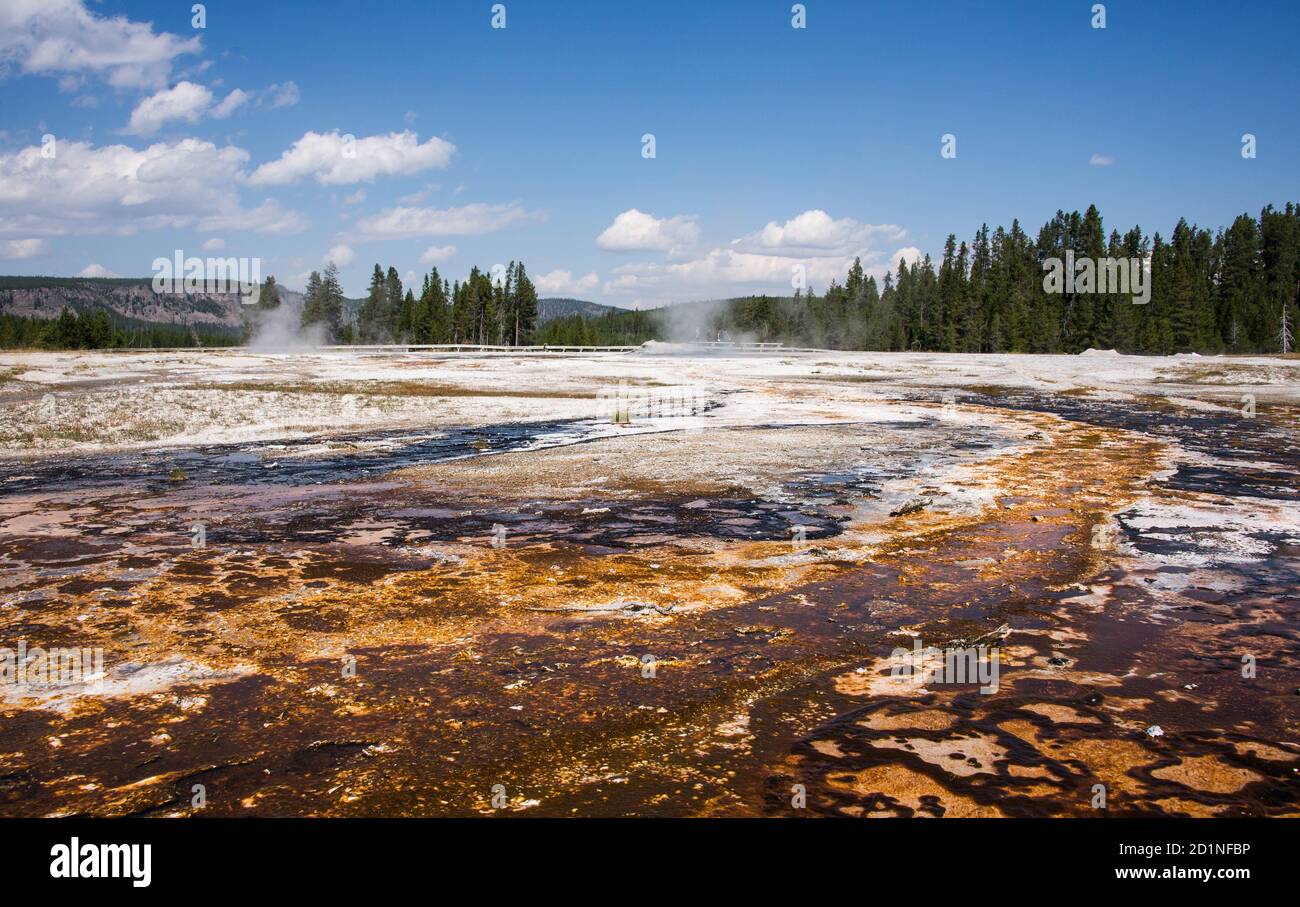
215 244
813 245
60 37
228 105
466 220
332 159
341 255
120 190
1101 160
814 232
18 249
95 270
725 271
910 255
636 231
437 254
564 283
185 101
355 198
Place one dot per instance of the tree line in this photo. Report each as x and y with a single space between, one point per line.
1233 290
1223 292
95 329
478 310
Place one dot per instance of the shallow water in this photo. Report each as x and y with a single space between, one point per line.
522 665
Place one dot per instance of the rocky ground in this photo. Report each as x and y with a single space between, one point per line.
650 584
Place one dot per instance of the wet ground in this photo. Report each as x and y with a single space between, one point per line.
565 617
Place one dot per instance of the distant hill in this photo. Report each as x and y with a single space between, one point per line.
552 307
132 301
128 301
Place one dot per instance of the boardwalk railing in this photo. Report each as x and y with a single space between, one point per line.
473 348
712 346
740 346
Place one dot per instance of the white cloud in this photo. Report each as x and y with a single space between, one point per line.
563 282
280 95
341 255
1101 160
466 220
814 244
636 231
268 217
437 254
332 160
18 249
185 101
49 37
121 190
725 272
908 254
814 232
230 103
95 270
215 244
355 198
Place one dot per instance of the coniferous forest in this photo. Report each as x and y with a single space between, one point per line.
478 310
1231 290
97 330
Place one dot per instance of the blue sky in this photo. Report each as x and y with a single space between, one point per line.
774 146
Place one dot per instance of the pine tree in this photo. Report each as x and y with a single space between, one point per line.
855 284
392 304
525 307
269 296
312 311
372 319
324 303
406 319
1280 255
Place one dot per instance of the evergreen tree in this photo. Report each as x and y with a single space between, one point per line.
525 306
323 305
269 296
406 318
392 308
372 319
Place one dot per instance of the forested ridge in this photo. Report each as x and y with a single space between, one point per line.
97 329
1234 290
1227 290
477 310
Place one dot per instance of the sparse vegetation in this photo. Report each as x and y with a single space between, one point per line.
388 389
